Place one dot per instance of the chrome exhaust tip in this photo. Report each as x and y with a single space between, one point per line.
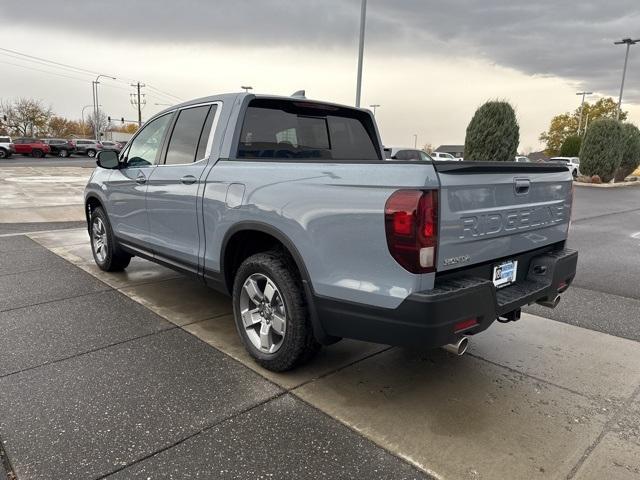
550 303
459 347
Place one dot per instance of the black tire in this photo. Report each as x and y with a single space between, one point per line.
37 153
115 259
575 173
4 153
299 344
63 153
91 153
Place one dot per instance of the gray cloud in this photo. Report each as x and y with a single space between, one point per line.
570 39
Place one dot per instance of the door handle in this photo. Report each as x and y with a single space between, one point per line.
521 186
141 179
188 180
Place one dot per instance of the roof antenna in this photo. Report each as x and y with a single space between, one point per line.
299 94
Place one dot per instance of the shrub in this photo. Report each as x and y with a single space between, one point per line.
602 148
596 179
493 133
631 152
571 146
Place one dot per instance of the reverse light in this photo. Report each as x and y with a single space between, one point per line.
411 221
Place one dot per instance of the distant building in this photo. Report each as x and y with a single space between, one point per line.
455 150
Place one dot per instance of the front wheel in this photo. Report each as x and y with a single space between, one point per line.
106 253
3 153
575 174
270 312
37 153
64 153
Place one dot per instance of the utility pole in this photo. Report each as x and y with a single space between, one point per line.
628 42
139 101
584 94
363 15
415 140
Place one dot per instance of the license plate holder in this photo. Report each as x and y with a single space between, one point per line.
504 273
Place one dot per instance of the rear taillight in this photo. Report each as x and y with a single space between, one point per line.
411 223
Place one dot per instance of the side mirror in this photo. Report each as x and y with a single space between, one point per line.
107 159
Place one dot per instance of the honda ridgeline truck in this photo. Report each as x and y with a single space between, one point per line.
289 206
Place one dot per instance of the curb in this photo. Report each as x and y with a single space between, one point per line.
607 185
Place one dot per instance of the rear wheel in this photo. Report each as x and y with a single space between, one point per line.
575 173
63 153
106 253
270 312
3 153
37 153
91 153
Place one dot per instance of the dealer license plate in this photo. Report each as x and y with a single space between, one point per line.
505 273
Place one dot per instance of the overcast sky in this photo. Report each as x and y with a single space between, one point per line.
429 64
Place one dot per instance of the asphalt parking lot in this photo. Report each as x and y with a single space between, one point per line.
606 293
48 161
141 374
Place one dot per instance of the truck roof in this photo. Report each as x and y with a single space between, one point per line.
231 97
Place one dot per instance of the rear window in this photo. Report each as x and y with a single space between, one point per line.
4 140
275 129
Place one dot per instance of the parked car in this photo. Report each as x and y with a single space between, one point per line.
7 148
289 206
522 159
60 146
31 146
87 147
406 153
111 145
572 162
444 156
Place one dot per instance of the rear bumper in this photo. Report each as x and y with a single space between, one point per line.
429 318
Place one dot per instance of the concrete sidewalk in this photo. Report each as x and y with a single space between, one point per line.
95 385
534 399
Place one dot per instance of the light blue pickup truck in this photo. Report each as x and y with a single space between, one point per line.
289 206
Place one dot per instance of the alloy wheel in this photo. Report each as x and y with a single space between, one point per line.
263 313
99 239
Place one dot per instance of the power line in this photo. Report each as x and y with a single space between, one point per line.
164 93
71 68
38 62
45 71
50 61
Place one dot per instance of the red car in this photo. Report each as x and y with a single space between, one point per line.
31 146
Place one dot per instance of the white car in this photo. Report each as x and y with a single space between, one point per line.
444 156
6 147
572 162
522 159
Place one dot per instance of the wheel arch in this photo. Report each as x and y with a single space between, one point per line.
91 202
265 237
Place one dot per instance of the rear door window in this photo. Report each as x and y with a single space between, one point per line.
275 129
185 138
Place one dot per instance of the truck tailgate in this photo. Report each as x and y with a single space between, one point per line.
492 210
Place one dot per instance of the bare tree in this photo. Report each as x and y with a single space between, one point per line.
26 116
102 122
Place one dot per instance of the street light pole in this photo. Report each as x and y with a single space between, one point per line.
246 88
363 15
584 94
628 42
374 106
96 107
415 140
